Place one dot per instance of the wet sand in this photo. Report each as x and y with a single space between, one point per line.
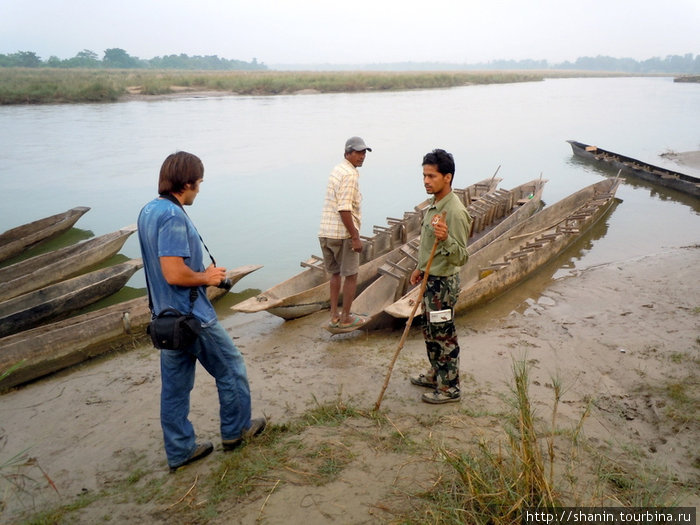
620 333
686 158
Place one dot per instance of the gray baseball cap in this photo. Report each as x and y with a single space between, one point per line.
355 144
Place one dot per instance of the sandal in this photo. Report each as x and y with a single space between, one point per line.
356 322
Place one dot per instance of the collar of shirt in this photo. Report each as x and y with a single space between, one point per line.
440 205
350 166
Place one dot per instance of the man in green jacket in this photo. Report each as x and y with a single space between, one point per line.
448 223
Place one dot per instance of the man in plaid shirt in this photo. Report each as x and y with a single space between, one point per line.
339 234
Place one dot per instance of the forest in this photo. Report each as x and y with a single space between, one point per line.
116 58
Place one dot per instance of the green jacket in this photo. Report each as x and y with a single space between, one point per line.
451 253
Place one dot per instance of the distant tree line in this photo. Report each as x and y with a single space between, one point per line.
672 64
116 58
687 63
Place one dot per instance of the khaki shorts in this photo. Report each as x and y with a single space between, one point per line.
338 256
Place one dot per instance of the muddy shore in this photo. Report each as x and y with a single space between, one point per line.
623 333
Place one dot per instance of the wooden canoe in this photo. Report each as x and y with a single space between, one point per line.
52 267
493 215
528 246
61 299
662 176
309 291
52 347
16 240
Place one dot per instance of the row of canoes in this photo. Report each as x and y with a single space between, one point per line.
52 347
58 265
38 294
63 298
511 237
58 283
509 241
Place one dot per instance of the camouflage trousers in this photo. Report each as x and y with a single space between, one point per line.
441 343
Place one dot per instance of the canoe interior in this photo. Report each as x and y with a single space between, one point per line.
530 245
492 214
530 241
16 240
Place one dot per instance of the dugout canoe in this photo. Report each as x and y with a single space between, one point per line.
528 246
493 215
16 240
61 299
52 347
309 291
58 265
642 170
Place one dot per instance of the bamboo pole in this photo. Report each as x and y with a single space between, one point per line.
404 336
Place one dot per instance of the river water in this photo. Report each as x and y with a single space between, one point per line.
267 160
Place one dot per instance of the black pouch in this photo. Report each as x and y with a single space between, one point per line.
172 330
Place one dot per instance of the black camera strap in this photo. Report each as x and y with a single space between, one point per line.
171 198
193 291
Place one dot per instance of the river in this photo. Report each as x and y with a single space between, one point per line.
267 160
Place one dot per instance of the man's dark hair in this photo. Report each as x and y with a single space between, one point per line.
444 161
178 170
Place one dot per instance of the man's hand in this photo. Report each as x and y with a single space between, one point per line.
346 217
214 275
440 227
416 276
176 272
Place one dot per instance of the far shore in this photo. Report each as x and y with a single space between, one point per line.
61 86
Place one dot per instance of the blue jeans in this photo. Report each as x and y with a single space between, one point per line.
220 357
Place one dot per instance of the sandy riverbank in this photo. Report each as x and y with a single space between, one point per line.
624 334
685 158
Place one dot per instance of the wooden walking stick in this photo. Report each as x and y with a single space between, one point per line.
423 285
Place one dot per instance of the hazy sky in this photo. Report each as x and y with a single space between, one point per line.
355 31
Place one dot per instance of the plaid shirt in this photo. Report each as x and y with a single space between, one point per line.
342 194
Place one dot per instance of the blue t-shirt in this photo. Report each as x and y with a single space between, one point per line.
165 230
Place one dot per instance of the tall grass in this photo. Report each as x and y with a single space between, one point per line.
27 86
36 86
495 484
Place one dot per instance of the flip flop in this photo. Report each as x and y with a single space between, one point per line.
334 324
356 322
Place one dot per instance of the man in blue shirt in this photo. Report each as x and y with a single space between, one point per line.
173 261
